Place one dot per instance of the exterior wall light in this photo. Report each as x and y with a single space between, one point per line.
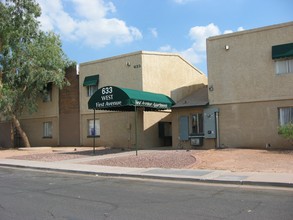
211 88
227 47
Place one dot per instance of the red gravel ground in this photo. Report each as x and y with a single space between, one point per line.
159 159
243 160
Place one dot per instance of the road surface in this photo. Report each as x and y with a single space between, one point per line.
27 195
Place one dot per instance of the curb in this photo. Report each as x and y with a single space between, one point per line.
157 177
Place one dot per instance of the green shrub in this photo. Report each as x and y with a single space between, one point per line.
286 131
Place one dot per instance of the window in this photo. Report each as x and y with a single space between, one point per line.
47 129
190 125
197 123
47 93
93 127
284 66
285 115
91 90
91 82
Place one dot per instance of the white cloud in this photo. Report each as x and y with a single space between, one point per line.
199 34
228 31
90 24
182 1
154 32
197 52
93 10
167 48
240 29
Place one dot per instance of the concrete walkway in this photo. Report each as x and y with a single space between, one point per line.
205 176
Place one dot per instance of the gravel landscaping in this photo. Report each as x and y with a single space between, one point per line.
159 159
243 160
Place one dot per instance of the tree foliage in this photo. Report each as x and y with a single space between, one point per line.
286 131
29 58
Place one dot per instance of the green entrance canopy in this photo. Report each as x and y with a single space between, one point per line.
121 99
282 51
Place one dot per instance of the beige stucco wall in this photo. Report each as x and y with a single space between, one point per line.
34 131
164 73
46 109
246 88
251 124
116 128
246 72
33 123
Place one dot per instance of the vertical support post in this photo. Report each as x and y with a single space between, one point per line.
218 132
136 138
94 140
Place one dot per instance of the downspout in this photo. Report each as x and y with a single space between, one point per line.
218 132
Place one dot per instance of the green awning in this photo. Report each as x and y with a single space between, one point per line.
282 51
122 99
91 80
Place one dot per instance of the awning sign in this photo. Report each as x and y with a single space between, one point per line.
121 99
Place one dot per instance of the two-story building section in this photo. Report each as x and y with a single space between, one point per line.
153 72
250 82
55 123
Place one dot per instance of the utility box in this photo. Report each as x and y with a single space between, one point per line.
210 122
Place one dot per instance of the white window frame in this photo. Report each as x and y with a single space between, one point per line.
91 131
197 123
91 90
285 115
284 66
47 129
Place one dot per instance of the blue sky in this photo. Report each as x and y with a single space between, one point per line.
96 29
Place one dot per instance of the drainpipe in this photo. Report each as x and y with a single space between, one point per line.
218 132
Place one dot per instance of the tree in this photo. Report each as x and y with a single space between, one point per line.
29 60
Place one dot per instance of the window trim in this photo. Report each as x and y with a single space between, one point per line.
91 90
200 122
98 129
47 129
288 62
290 115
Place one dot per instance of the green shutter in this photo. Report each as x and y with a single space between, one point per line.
91 80
282 51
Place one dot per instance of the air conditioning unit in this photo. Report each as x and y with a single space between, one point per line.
196 141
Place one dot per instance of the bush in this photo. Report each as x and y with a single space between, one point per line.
286 131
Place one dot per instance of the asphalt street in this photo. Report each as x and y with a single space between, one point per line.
29 194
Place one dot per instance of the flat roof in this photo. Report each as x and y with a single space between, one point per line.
250 31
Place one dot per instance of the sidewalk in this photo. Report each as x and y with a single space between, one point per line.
194 175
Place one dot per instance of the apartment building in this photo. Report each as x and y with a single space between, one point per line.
161 74
250 83
65 119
